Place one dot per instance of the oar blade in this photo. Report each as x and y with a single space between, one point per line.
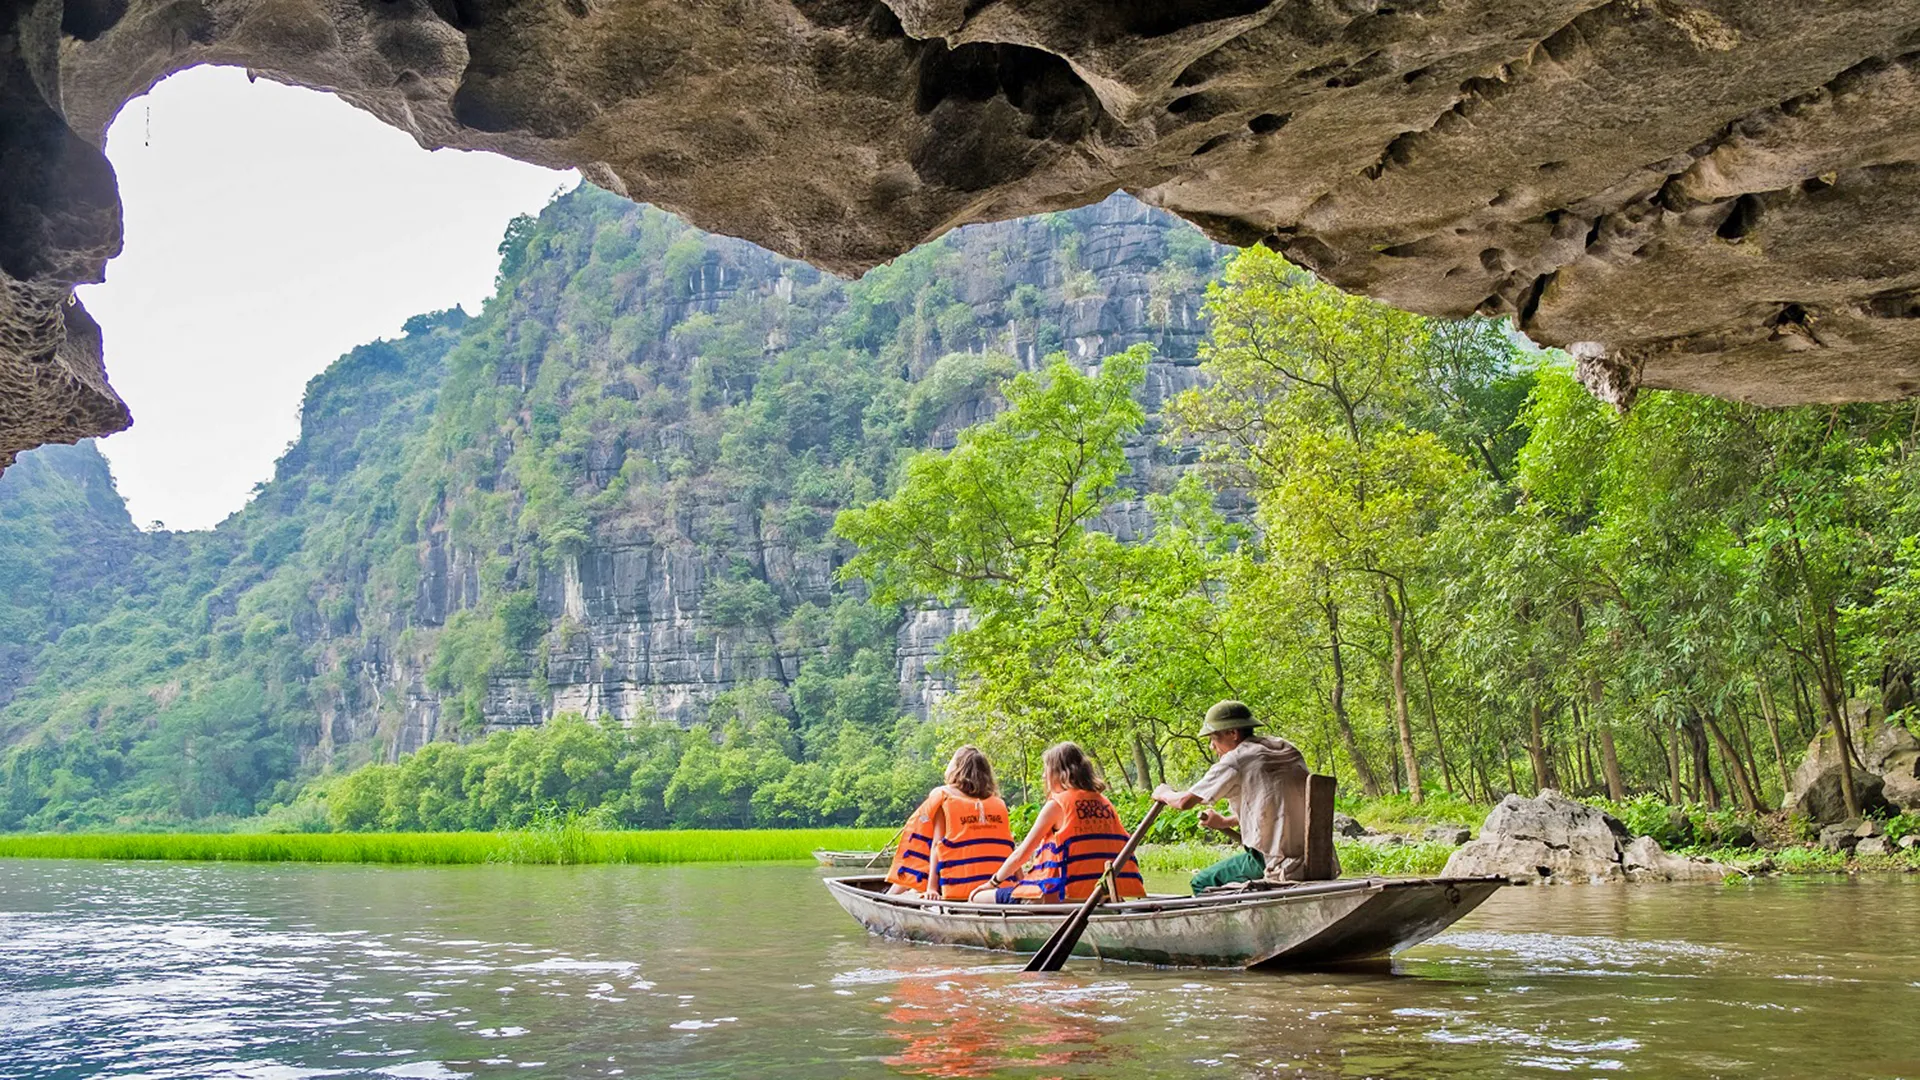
1053 955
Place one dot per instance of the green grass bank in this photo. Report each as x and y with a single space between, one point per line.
561 845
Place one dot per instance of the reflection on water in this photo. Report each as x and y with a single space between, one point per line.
115 969
965 1023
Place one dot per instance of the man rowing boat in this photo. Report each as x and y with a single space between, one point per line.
1264 780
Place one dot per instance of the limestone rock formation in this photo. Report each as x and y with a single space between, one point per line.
1893 752
1644 860
1552 839
1815 789
1706 194
1549 838
634 634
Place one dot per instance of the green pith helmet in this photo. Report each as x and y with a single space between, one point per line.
1227 716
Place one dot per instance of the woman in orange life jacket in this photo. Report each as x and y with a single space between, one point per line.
958 835
1076 835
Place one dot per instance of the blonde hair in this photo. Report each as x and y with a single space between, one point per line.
972 773
1070 765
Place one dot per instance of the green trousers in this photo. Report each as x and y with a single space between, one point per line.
1243 865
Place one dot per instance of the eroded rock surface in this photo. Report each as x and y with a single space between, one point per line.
1816 789
1547 838
1644 860
1551 839
1706 194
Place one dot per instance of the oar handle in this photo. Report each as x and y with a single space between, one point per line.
1139 833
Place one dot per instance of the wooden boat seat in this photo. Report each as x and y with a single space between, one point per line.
1321 864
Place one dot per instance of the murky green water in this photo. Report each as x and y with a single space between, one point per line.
152 970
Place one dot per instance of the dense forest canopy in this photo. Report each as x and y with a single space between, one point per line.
1462 572
709 499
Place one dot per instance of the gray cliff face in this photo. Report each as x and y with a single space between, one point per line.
628 634
633 642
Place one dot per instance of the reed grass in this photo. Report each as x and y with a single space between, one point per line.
1425 859
561 844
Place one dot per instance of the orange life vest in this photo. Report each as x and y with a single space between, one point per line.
974 840
1089 836
909 868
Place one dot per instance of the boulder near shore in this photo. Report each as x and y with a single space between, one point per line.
1551 839
1886 779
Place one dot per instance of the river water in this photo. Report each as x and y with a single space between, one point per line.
271 971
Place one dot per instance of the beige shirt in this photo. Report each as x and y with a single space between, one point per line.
1264 779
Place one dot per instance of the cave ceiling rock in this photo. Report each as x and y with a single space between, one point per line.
1711 195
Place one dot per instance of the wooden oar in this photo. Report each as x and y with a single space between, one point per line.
884 848
1058 947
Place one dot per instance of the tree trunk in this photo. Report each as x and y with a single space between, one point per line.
1773 732
1748 759
1447 776
1671 751
1803 709
1609 754
1831 689
1536 745
1742 784
1140 768
1837 720
1397 669
1610 761
1476 756
1583 735
1702 760
1362 771
1393 769
1506 752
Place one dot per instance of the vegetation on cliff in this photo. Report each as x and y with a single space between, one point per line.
609 492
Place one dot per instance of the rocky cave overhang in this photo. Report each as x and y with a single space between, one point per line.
1710 195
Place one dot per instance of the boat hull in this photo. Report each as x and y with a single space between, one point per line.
1323 923
853 859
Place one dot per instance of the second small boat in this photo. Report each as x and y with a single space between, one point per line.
853 860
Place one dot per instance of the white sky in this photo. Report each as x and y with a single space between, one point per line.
269 230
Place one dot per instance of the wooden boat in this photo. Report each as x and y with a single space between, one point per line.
1324 922
854 859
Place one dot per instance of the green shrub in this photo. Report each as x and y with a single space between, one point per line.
1906 824
1399 813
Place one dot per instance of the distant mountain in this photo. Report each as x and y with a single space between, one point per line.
608 493
66 553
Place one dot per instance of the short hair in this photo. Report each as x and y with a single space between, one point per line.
1072 766
972 773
